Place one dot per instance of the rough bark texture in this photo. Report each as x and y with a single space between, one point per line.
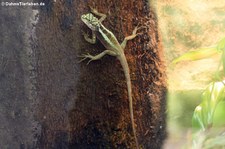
17 123
74 105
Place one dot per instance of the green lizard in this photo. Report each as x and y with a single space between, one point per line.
113 48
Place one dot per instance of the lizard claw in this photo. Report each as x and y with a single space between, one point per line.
82 59
89 61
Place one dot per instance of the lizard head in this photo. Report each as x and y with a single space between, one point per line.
91 21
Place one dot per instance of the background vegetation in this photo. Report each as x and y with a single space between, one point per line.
190 25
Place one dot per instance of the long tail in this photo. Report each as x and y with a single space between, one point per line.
126 70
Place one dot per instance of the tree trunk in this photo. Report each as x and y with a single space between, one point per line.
74 105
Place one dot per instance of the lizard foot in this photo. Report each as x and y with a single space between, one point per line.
95 11
86 35
136 29
87 56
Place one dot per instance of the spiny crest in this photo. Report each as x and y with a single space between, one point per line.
90 20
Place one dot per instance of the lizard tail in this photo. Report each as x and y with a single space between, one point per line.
129 89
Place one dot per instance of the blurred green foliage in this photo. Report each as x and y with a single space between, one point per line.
214 94
195 25
204 113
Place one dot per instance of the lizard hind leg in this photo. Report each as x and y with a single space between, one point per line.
95 11
97 57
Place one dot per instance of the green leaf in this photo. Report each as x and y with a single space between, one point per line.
221 45
197 54
203 114
223 61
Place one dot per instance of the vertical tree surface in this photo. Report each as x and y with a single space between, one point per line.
75 105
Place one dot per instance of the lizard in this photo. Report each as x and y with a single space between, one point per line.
113 48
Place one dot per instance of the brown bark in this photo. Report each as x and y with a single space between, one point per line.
86 106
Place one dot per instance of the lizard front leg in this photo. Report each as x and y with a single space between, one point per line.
91 40
102 15
97 57
134 34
